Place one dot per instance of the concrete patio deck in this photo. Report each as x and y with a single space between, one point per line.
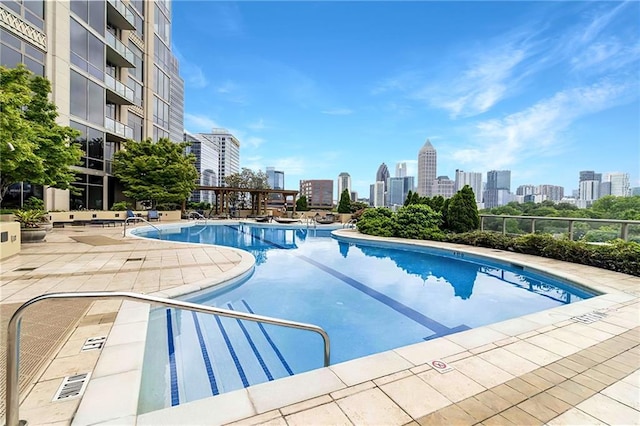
544 368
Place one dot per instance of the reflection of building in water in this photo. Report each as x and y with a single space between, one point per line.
344 248
547 290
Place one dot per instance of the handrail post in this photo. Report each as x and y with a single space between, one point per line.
13 333
504 226
624 231
571 230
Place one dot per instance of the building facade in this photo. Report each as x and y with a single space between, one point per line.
377 196
229 154
382 175
110 67
401 169
620 184
473 179
553 193
443 186
427 169
497 191
319 192
344 182
399 188
207 152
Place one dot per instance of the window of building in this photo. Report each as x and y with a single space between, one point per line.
91 12
87 99
87 50
14 51
160 83
161 24
90 193
138 21
135 122
91 142
31 11
160 112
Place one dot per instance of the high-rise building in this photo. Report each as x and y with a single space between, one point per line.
319 192
620 185
275 178
401 169
344 182
112 77
526 190
589 191
229 154
399 188
377 194
207 152
382 175
635 191
551 192
497 190
473 179
427 169
443 186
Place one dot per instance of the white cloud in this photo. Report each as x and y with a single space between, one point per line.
253 141
199 123
338 111
257 125
536 131
191 73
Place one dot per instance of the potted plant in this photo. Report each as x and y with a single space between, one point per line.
32 225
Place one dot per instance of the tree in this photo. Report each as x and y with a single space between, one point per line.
34 148
301 204
159 172
246 179
462 212
417 221
344 206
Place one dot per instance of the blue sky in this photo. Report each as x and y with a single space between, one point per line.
545 89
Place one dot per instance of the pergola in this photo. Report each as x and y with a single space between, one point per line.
258 197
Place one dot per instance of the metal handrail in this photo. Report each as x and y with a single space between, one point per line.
199 216
13 333
136 218
351 223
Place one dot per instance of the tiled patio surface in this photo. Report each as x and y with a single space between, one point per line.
544 368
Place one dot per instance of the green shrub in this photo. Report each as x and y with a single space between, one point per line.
462 211
378 221
120 206
34 203
417 221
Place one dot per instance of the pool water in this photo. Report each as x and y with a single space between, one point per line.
368 298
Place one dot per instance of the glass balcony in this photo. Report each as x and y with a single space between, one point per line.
117 128
118 53
117 92
120 15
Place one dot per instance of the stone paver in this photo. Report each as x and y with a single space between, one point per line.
541 369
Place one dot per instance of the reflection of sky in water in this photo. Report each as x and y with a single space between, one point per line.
369 299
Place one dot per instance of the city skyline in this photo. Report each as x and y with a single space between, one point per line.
543 89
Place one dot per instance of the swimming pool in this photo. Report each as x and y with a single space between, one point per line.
368 297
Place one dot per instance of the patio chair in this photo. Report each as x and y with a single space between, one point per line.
153 215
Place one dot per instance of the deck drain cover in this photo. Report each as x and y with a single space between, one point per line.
135 259
72 387
590 317
94 343
24 269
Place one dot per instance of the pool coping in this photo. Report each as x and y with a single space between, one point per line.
113 391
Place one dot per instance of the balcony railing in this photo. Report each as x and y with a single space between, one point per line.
118 128
118 53
120 15
119 88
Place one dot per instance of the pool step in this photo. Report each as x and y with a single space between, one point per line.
233 354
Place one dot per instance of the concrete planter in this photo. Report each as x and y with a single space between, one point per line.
32 235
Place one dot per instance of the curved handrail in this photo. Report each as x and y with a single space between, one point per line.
351 223
138 218
13 332
199 215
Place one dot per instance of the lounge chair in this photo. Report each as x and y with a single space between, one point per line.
325 220
263 218
153 215
285 220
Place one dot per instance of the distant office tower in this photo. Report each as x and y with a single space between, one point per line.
377 194
551 192
589 191
473 179
590 175
344 182
319 192
526 190
620 185
354 196
497 190
427 169
382 175
112 78
444 186
399 187
605 189
401 169
229 154
207 153
275 178
635 191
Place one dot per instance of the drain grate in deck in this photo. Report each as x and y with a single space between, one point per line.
25 269
135 259
72 387
590 317
93 343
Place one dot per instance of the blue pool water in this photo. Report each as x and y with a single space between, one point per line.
369 298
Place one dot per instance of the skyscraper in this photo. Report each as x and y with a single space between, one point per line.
275 178
401 169
473 179
620 185
399 187
206 149
344 182
112 76
588 188
427 169
319 192
498 187
382 175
